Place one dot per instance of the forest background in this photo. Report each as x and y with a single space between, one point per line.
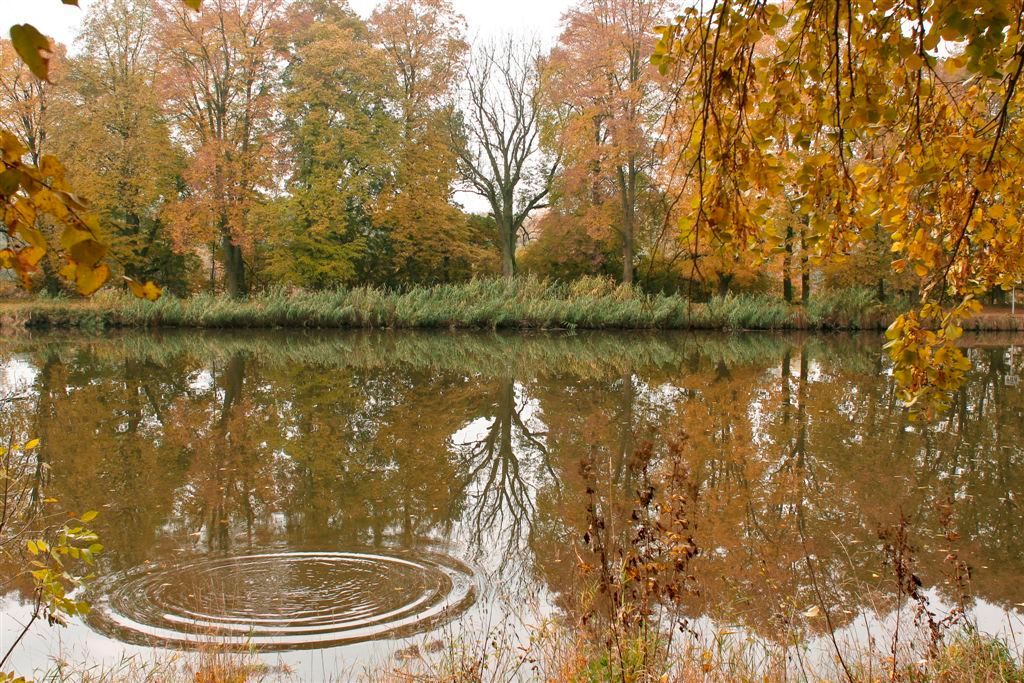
261 144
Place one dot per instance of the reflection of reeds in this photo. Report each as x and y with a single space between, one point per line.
583 355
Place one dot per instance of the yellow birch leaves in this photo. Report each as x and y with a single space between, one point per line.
913 133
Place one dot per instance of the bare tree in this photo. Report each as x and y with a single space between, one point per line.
498 139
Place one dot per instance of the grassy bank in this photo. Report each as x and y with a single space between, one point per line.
527 303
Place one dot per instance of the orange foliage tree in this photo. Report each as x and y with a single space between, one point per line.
424 47
601 75
220 70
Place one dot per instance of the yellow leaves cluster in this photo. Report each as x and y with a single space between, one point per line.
929 365
29 193
864 131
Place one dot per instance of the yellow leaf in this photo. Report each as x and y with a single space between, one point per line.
32 236
72 236
88 280
69 270
34 443
149 291
50 166
34 49
88 252
10 181
136 287
30 258
90 515
152 292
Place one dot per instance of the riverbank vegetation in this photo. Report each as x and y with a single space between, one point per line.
559 655
522 303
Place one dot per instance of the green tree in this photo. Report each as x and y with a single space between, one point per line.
111 133
338 143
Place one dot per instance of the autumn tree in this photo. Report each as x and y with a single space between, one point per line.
111 133
219 71
600 70
24 103
424 47
498 143
337 144
914 107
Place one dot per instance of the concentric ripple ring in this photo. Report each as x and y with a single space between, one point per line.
285 600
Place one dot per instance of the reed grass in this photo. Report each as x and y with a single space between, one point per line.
523 303
559 655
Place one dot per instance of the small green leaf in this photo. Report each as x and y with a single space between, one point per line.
89 516
33 548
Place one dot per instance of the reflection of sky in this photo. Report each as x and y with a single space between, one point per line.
16 375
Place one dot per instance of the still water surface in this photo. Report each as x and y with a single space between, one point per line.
333 500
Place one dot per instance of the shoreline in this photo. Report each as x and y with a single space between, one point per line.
466 307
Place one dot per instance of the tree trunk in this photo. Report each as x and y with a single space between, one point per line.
233 379
787 267
724 280
627 258
805 268
234 268
507 237
787 373
627 192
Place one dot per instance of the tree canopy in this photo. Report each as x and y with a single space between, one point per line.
736 145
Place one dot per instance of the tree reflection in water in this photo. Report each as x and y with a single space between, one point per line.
797 447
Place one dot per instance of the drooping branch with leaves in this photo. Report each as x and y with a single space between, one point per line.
899 117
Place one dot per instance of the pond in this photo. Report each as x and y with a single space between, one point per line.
337 501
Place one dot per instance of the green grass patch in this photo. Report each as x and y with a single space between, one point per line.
522 303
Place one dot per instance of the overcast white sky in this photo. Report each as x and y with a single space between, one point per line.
485 17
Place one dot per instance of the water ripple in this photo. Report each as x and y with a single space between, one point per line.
283 600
